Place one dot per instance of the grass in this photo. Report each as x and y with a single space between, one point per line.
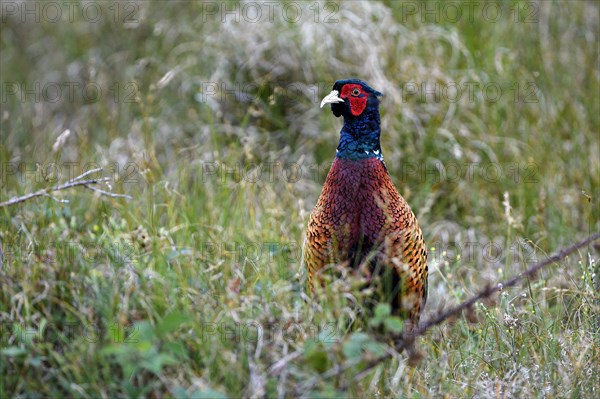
194 288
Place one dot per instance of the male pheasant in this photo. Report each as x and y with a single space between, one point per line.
360 219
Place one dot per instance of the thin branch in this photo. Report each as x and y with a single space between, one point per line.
60 201
108 193
89 172
75 182
406 340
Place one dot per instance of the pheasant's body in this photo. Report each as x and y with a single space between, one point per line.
361 220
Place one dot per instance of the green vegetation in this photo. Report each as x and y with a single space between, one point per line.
194 287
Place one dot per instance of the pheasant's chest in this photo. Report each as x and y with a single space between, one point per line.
356 207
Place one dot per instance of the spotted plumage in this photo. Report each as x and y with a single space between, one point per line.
360 219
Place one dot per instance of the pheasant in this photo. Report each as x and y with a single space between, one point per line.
360 219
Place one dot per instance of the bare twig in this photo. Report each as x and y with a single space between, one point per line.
75 182
85 174
60 201
108 193
406 340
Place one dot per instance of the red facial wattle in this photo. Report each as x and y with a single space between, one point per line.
357 103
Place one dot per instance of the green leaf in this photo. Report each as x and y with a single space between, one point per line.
36 361
352 348
393 324
358 343
179 392
13 351
382 310
208 394
142 331
316 356
328 392
115 349
376 348
171 323
175 348
156 363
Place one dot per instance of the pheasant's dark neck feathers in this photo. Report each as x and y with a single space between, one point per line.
359 138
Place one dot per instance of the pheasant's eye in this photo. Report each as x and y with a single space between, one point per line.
355 92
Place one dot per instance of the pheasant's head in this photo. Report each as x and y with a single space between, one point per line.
358 103
351 98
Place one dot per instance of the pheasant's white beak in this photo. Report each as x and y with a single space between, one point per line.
331 98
